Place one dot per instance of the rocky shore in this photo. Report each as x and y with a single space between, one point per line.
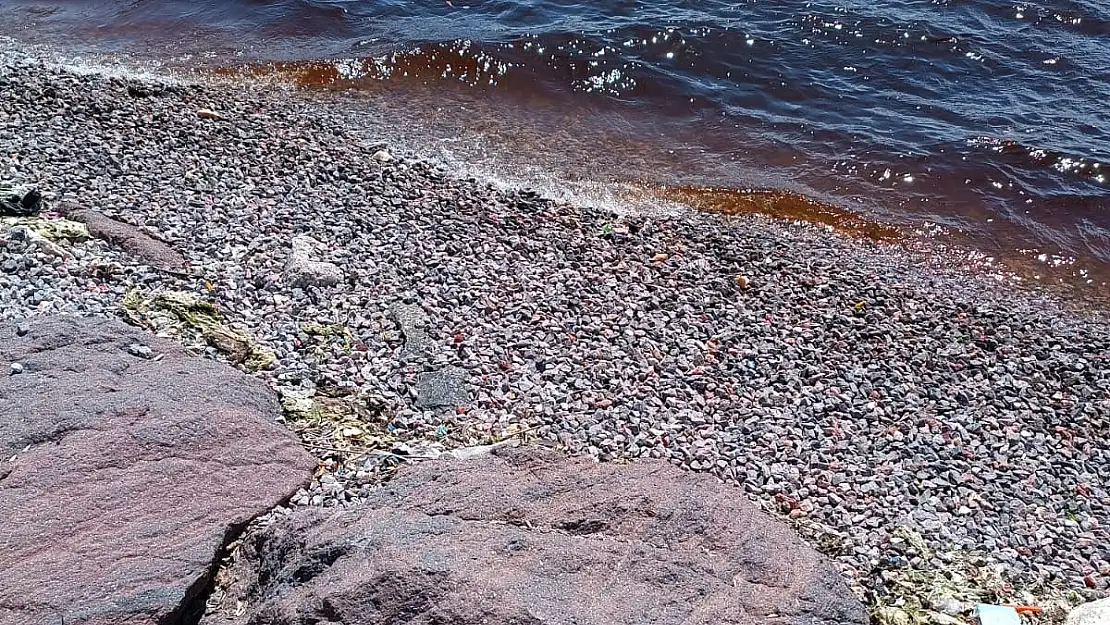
868 397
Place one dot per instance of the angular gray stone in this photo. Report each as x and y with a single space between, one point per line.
443 388
122 477
302 270
525 536
1092 613
413 322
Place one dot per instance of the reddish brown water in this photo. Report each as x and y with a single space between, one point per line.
981 125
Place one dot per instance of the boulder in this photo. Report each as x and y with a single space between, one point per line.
302 270
530 537
126 466
1093 613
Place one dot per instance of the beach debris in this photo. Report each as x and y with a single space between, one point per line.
351 426
613 230
303 270
382 156
51 228
208 114
742 281
415 453
297 402
989 614
19 201
44 233
894 615
42 243
949 605
891 615
198 320
946 588
940 587
1092 613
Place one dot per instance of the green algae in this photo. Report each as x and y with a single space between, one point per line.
192 316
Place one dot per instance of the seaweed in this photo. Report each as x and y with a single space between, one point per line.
192 317
942 588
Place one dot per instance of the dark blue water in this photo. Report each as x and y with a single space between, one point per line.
980 119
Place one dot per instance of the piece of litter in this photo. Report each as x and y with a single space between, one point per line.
987 614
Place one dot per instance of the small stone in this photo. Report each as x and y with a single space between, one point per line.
140 350
742 281
660 258
16 368
208 114
22 328
302 270
383 156
949 605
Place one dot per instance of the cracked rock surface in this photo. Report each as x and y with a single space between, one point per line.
125 467
527 536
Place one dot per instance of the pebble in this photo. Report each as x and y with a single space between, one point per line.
142 351
858 387
16 368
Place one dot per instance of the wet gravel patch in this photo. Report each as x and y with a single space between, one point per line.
840 383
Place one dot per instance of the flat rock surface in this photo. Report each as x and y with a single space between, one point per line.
124 470
530 537
131 240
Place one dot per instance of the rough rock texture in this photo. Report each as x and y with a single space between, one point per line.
303 271
1093 613
132 240
413 322
124 470
444 388
530 537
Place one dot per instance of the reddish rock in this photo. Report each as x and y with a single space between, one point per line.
132 240
527 537
122 476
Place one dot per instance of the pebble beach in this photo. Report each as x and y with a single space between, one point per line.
846 385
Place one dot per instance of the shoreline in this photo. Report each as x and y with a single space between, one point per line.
425 133
841 382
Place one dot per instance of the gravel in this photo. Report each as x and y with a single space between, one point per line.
841 383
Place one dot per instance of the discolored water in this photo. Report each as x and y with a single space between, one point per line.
983 122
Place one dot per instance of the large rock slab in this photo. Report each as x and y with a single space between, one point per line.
132 240
125 466
1093 613
528 537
